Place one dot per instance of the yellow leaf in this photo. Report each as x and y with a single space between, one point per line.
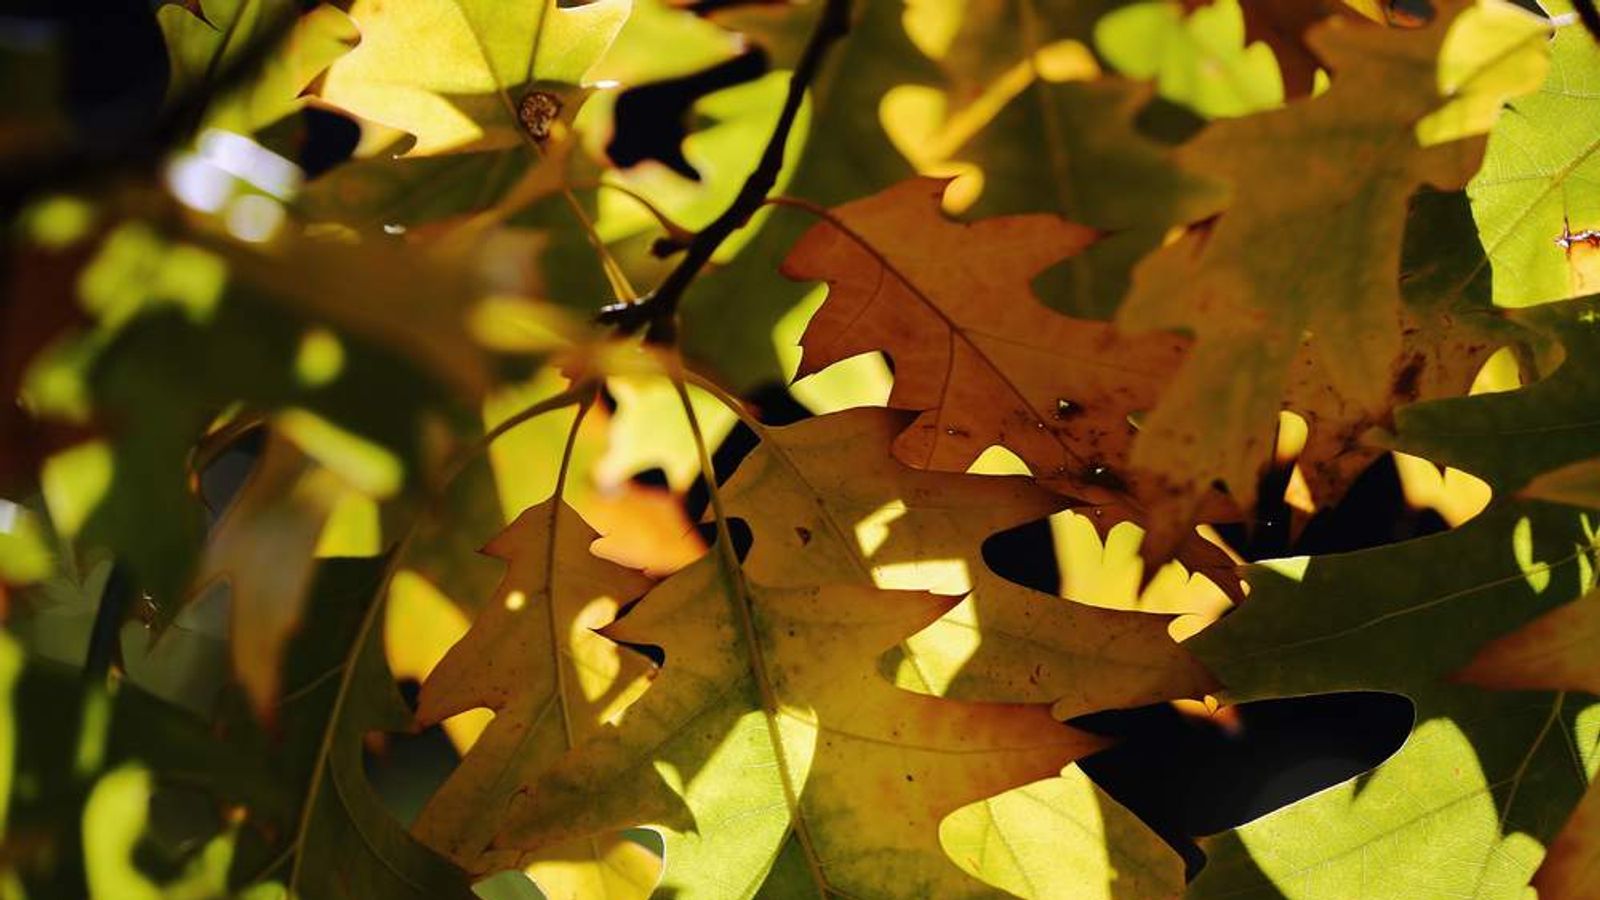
770 716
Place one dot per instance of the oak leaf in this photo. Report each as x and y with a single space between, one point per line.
532 657
1448 330
825 502
448 72
1281 262
1535 210
1475 780
339 690
1513 437
1555 652
204 38
975 352
770 718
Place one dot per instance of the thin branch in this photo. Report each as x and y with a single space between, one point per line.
1589 16
657 313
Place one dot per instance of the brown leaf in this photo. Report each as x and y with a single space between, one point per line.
1555 652
976 353
1571 867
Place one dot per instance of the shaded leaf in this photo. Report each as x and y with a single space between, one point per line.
1329 239
1479 767
338 688
1555 652
1509 438
263 550
1577 484
1099 169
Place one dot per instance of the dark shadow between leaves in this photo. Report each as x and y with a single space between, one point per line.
1188 776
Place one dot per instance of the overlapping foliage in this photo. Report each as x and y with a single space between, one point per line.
736 429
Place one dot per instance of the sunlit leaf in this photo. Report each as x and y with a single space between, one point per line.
214 34
533 658
452 74
1532 208
1200 59
770 716
1034 841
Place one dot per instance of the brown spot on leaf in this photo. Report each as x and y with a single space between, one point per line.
1066 409
1101 475
1405 383
538 112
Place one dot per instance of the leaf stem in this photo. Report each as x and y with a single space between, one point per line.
657 313
582 393
733 574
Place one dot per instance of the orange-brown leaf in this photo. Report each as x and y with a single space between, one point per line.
974 351
1559 651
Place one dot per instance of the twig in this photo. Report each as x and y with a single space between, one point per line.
116 599
1589 16
657 312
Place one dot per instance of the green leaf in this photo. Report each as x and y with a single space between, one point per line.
1034 840
338 688
207 39
1199 59
1495 51
1531 199
450 73
1483 773
248 346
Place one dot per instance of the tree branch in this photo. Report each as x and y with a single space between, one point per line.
1588 16
657 313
